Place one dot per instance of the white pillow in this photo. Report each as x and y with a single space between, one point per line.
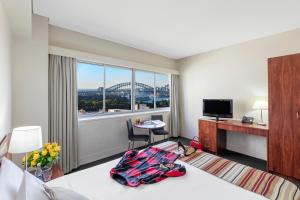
31 188
10 179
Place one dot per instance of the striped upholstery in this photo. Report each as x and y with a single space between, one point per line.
263 183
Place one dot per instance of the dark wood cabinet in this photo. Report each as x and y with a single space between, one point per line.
208 135
284 115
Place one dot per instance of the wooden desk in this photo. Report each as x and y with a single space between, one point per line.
212 134
237 126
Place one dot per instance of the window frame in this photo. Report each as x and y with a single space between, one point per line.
104 96
133 95
103 92
169 82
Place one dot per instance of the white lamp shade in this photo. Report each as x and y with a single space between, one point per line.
25 139
260 105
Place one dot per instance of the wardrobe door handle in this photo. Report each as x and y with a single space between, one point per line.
297 114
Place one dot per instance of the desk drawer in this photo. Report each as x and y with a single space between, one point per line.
248 129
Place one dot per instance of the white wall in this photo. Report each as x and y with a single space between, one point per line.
5 74
19 14
30 77
73 40
100 138
238 72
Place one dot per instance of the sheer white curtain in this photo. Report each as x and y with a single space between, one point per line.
63 122
175 111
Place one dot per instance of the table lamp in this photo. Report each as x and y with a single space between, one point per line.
25 139
261 105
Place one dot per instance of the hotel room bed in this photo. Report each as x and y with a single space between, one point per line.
96 184
208 177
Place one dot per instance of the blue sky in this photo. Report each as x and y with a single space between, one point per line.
91 76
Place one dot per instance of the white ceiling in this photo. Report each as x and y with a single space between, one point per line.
173 28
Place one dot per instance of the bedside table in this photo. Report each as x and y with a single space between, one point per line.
56 172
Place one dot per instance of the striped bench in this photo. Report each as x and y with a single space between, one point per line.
268 185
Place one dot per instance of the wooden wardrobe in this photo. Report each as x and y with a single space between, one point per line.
284 115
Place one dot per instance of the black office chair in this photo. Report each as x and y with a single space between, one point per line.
132 137
159 131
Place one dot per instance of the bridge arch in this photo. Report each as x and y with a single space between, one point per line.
127 86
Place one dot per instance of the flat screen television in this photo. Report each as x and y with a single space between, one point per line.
219 108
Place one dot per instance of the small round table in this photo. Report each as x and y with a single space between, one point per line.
151 124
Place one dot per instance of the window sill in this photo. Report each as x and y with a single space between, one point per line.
120 115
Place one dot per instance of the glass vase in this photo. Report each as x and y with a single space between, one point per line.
47 173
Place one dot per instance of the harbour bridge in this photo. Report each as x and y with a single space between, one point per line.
127 86
124 89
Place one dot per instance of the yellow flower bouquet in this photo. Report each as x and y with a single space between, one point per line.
45 157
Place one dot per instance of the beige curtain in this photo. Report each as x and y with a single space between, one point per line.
175 111
63 122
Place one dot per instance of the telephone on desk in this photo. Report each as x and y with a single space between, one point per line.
247 120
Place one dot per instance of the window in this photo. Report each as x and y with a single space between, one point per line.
90 84
162 91
144 90
109 89
145 82
117 89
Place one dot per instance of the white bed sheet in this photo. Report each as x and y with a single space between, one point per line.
96 184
